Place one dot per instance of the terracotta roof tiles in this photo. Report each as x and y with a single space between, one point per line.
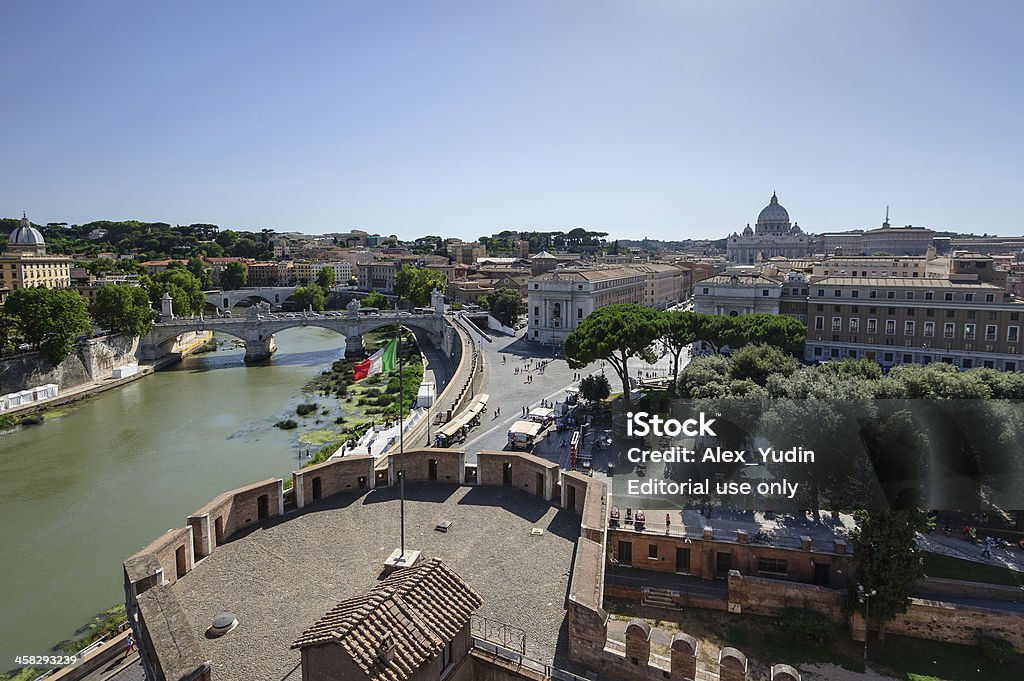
415 612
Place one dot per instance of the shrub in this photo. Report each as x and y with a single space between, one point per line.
287 424
32 420
808 624
305 409
999 650
340 420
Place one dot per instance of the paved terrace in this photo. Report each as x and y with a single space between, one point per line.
280 579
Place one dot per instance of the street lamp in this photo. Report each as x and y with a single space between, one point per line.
864 597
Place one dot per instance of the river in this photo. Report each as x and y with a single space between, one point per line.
83 491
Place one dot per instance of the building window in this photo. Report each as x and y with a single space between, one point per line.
854 325
948 330
855 294
908 328
772 566
764 292
446 655
821 293
948 297
819 323
890 295
536 309
910 295
890 326
872 326
579 313
990 332
872 294
838 293
929 329
990 298
969 297
969 331
837 323
652 551
706 291
928 295
1012 333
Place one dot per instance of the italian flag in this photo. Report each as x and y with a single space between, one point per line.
382 360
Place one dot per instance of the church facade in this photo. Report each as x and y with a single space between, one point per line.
773 235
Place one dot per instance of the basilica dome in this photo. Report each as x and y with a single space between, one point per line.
773 213
25 234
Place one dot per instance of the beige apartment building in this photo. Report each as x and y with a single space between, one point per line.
665 285
914 321
25 263
559 300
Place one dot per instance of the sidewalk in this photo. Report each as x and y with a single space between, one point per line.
80 391
1011 559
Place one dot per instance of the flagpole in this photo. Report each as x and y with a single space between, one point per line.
401 441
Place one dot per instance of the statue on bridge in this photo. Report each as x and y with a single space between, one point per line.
353 308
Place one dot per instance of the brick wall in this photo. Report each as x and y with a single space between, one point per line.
800 563
166 549
759 596
530 473
234 511
335 476
950 623
451 464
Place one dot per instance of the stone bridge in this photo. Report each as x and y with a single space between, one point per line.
273 295
225 300
258 326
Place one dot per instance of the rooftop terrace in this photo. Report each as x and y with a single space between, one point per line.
283 577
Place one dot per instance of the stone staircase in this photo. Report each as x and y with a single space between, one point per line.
660 598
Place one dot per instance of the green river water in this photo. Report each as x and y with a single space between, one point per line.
83 491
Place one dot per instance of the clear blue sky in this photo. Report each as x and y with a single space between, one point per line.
657 118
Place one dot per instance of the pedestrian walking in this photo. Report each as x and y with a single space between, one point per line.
131 645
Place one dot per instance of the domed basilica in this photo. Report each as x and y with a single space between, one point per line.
25 264
773 235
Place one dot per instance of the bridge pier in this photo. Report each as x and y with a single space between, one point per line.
354 347
259 347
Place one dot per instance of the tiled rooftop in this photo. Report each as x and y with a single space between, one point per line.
279 580
414 613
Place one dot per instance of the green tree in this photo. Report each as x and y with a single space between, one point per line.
200 271
782 331
123 309
377 300
415 284
8 332
887 561
311 296
184 288
506 305
758 362
615 334
595 388
325 278
680 333
234 276
49 319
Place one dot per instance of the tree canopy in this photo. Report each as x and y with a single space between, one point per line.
123 309
888 561
506 305
185 289
415 284
377 300
311 296
325 278
615 333
234 276
49 319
